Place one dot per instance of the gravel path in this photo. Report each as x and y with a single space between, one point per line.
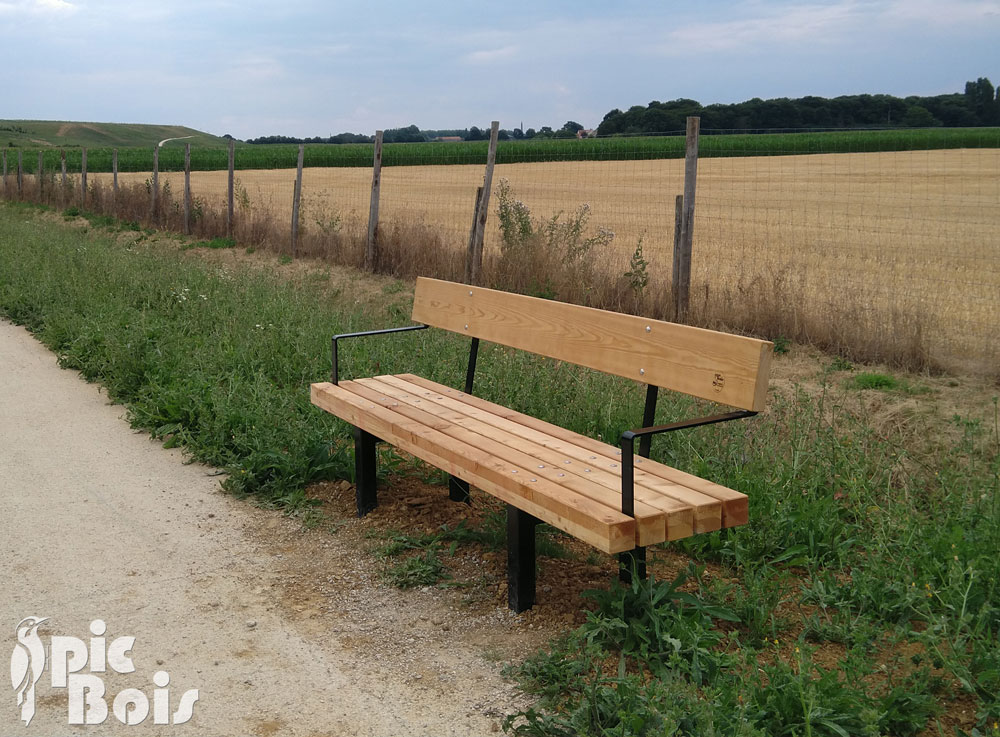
281 633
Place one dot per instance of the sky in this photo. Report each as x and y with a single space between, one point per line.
312 68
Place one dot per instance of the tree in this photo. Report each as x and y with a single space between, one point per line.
917 116
475 134
572 126
980 95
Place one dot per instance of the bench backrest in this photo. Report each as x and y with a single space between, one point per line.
724 368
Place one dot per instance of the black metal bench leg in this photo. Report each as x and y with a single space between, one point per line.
520 559
628 561
458 490
365 471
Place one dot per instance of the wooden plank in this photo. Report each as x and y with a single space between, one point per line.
231 191
734 504
594 524
187 189
703 363
650 521
296 198
371 249
687 511
470 255
675 278
682 286
698 512
154 191
83 177
483 208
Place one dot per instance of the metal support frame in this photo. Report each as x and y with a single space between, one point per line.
520 559
636 559
458 490
365 471
335 361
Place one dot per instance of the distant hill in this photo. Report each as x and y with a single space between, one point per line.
64 134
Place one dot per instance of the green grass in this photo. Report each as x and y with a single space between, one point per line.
210 155
866 586
57 133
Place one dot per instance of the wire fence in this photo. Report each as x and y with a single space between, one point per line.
886 255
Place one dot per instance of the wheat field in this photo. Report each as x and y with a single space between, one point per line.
894 241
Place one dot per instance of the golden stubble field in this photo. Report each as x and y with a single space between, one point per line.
898 241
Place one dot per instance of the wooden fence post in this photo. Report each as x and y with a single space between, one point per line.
187 189
484 206
675 279
63 158
229 211
38 176
83 178
154 191
471 251
682 287
114 173
296 197
20 174
4 156
371 251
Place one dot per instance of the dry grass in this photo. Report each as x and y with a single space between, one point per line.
887 256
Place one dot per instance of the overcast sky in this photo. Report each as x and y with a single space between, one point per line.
306 68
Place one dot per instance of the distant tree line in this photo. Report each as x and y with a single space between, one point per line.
412 134
979 105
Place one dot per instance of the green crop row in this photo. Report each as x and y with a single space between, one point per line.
617 148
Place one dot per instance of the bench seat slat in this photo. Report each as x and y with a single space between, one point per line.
596 524
596 484
686 512
735 505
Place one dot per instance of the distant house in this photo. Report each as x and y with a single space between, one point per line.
586 133
449 139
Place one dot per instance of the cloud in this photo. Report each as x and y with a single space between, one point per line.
934 13
767 25
35 7
803 24
491 56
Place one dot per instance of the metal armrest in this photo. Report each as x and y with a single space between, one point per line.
335 374
628 449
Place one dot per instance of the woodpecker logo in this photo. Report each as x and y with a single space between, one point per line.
67 658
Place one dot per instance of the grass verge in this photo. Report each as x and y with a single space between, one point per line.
861 599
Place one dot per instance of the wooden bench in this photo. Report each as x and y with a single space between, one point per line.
602 494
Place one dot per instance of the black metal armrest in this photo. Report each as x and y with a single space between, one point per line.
335 373
628 449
